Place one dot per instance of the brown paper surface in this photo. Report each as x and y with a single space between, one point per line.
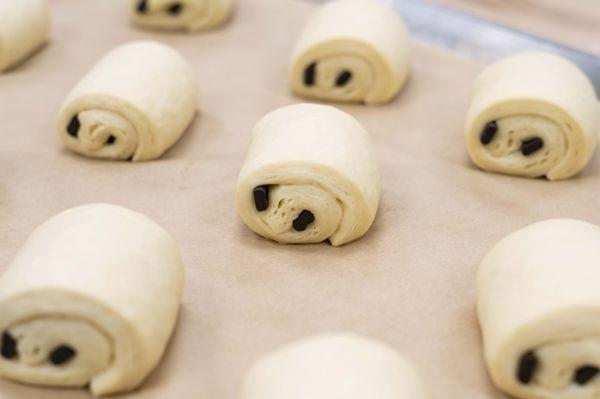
408 282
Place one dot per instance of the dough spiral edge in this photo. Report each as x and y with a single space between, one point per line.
310 175
70 314
107 128
532 115
351 51
336 207
122 344
134 104
538 307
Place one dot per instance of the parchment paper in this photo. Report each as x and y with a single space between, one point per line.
408 282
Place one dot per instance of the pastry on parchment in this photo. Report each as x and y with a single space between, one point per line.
336 366
91 298
189 15
310 175
533 115
24 28
351 51
539 310
133 105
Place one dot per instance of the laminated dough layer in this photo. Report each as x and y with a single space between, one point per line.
24 28
533 115
310 175
351 51
91 298
539 310
190 15
339 366
133 105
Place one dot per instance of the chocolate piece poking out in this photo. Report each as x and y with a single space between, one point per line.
343 78
489 132
9 346
527 366
303 220
142 6
585 374
530 146
175 8
261 198
111 139
74 125
310 74
62 354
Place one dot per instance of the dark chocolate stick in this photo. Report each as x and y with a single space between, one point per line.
62 354
532 145
9 346
488 133
261 198
175 8
585 374
310 74
527 366
343 78
303 220
73 127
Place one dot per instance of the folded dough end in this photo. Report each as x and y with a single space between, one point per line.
91 298
351 51
539 310
533 115
346 70
310 175
134 104
54 337
187 15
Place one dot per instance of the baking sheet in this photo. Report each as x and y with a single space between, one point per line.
408 282
571 23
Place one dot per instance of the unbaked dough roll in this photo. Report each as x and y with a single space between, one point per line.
190 15
339 366
24 28
92 297
539 309
133 105
533 114
310 175
352 51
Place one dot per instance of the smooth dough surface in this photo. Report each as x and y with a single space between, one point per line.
24 28
351 51
310 158
190 15
133 105
100 280
539 310
337 366
533 115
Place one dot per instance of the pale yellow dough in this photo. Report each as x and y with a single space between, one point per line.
364 37
314 158
24 28
195 15
538 291
133 105
533 95
102 279
336 366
